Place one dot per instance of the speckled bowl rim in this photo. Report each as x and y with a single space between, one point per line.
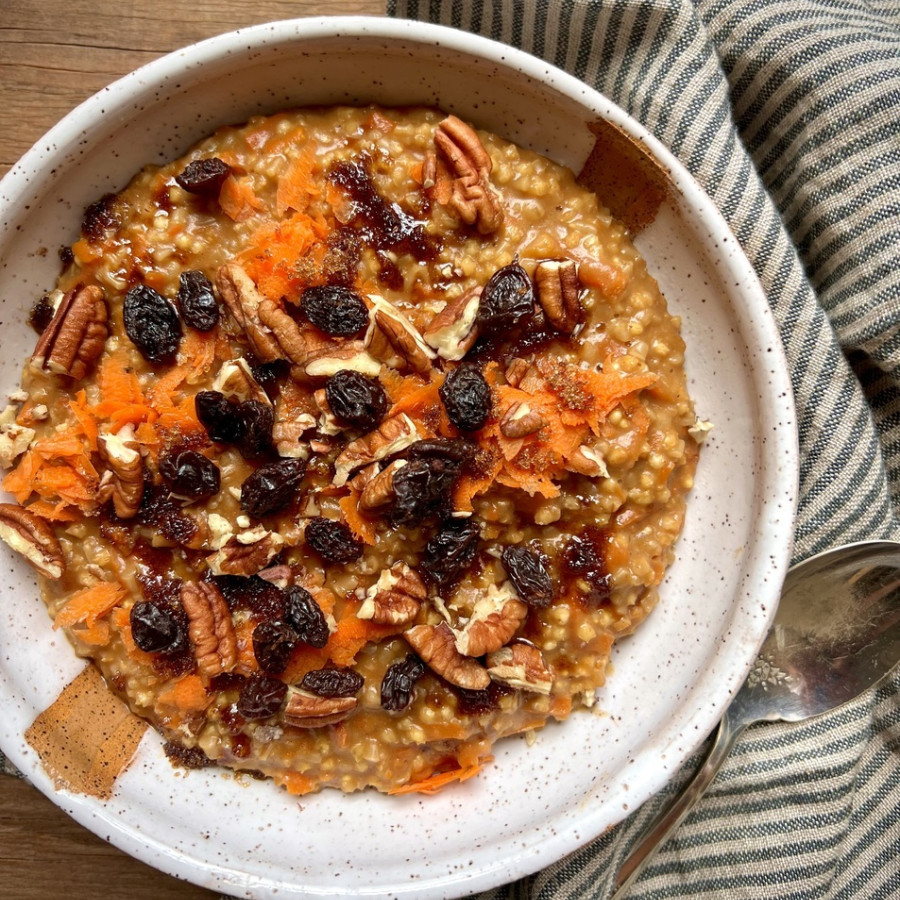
767 560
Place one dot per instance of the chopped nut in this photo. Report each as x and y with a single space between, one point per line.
557 288
125 481
307 710
392 436
243 300
74 339
246 553
453 332
436 645
235 379
516 371
495 619
700 430
379 491
328 424
323 362
395 598
281 576
520 420
210 628
14 439
520 665
462 171
391 337
33 537
588 461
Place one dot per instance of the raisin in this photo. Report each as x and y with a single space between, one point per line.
248 424
261 697
156 627
332 682
204 176
41 314
188 757
466 396
355 399
475 703
273 643
272 487
196 301
159 511
332 540
507 298
218 415
257 420
264 600
584 560
334 309
399 681
98 217
529 576
189 475
305 616
423 488
457 450
451 551
151 323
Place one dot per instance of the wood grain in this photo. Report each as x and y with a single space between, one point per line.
53 55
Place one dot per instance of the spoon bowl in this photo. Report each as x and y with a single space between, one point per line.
836 634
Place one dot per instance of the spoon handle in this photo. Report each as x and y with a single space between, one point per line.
658 832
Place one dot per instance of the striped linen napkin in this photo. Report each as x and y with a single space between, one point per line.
788 114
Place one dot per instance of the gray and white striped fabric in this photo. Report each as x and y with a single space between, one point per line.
788 113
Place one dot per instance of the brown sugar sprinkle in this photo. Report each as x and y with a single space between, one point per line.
403 546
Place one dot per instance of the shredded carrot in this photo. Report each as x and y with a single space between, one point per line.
296 186
90 604
238 199
85 252
96 635
198 350
53 512
86 421
362 526
187 694
434 783
295 783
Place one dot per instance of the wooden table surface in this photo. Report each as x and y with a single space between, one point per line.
53 55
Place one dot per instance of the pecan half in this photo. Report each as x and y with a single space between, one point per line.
392 436
521 665
327 359
520 420
495 619
210 628
74 339
395 598
557 287
436 645
392 338
379 491
124 480
242 299
471 195
246 553
33 537
453 332
306 710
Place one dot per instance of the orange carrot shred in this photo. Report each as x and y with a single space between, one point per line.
187 694
90 603
434 783
238 199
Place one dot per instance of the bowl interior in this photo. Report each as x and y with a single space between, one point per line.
670 681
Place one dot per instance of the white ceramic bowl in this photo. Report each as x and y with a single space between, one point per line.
670 682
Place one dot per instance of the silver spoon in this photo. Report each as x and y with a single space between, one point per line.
835 635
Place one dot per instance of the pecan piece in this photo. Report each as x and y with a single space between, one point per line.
379 490
395 598
520 665
246 553
391 337
210 628
236 380
307 710
495 619
453 332
75 337
588 461
471 196
436 645
124 480
33 537
242 299
557 287
392 436
329 358
520 420
15 439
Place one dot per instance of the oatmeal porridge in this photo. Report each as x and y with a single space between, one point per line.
351 442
